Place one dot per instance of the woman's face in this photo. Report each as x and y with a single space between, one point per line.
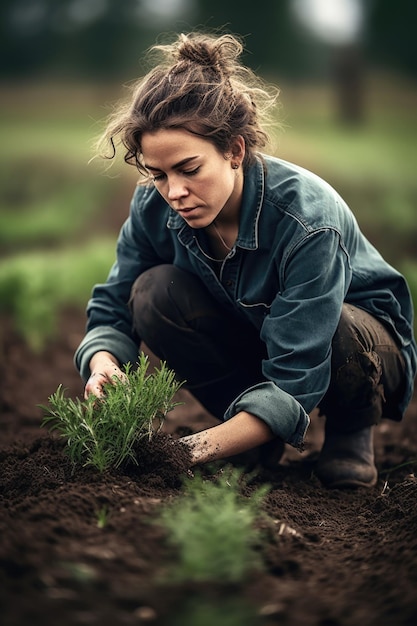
194 178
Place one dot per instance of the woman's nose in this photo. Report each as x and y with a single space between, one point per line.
176 189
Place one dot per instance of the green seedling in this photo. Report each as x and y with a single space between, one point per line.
212 526
103 432
102 517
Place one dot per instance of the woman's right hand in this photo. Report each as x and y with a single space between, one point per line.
103 367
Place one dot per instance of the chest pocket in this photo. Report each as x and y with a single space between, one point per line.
254 312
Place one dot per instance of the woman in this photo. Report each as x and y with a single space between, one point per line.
248 275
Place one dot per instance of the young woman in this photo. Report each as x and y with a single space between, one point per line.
248 275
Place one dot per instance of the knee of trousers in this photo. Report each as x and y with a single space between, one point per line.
165 294
348 339
356 394
355 398
359 379
151 296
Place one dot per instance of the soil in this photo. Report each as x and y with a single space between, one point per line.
331 557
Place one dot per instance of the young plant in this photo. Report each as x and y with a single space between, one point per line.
102 517
213 528
104 432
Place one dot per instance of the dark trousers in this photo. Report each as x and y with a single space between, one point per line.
219 355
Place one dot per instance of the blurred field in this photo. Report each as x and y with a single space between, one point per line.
59 214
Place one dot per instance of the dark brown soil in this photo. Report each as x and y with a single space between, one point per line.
332 558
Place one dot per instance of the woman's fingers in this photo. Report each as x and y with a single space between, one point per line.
95 384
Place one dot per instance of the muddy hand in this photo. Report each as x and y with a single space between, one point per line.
103 375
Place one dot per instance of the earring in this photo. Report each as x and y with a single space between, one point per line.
235 166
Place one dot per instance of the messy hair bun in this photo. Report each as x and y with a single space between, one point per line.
217 55
197 83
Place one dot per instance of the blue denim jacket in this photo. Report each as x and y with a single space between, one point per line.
298 256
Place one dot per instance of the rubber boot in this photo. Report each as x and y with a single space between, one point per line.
347 460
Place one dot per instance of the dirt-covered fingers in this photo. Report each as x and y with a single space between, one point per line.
95 384
104 370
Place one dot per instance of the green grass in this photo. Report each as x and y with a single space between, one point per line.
381 149
34 286
70 139
49 200
50 190
53 219
377 151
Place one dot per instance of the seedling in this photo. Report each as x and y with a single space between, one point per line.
104 432
102 517
213 528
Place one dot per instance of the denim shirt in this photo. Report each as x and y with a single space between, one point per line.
298 256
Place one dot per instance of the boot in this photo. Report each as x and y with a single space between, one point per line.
347 460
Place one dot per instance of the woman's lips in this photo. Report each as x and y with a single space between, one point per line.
187 211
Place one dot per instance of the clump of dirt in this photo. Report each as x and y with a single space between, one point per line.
163 459
84 548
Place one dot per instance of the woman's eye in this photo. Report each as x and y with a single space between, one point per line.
191 172
158 177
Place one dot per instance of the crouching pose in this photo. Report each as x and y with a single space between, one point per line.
247 274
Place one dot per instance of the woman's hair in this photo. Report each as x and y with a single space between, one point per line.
198 85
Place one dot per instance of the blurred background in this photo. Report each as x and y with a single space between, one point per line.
347 71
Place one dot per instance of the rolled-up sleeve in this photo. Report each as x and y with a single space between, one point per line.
283 414
108 339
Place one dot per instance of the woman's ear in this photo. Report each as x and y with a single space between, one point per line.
238 148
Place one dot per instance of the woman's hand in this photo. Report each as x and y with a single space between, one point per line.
103 367
242 432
